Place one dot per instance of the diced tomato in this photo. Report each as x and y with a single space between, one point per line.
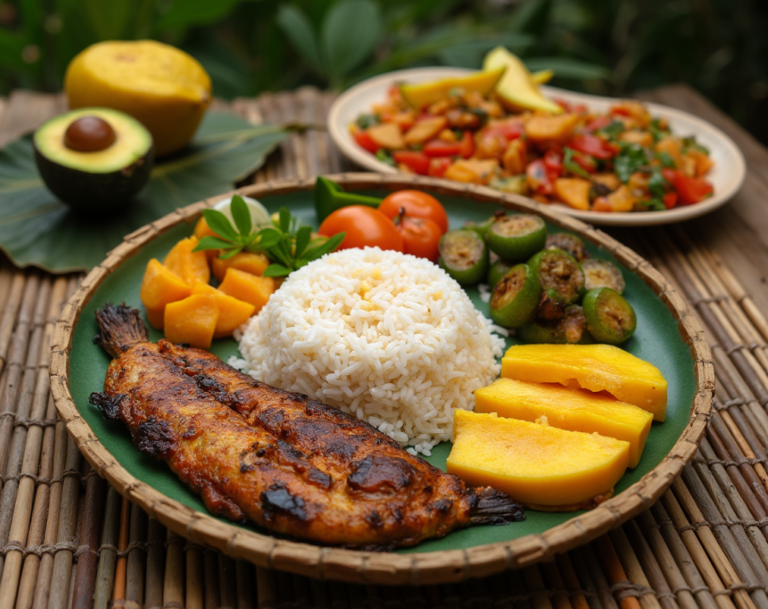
571 108
438 147
621 111
587 163
593 146
689 190
467 145
537 178
599 122
417 162
509 130
553 162
670 200
365 141
438 166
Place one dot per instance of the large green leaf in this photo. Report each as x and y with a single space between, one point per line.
37 230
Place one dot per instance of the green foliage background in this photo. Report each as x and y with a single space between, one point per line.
251 46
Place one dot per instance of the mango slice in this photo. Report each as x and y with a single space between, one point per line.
255 264
574 410
247 287
232 312
190 266
159 287
539 465
592 367
423 94
192 321
517 89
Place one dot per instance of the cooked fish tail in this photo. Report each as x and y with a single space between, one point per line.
495 507
120 328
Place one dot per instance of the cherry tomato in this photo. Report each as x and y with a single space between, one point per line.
438 166
364 226
537 178
417 204
467 148
438 147
587 163
366 141
508 129
417 162
689 190
593 146
421 236
553 162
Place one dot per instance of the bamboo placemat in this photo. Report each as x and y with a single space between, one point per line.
67 540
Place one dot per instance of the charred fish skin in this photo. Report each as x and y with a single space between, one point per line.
290 464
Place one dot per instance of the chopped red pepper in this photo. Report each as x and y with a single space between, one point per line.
553 162
417 162
467 145
366 141
537 178
438 147
599 122
670 200
689 190
438 166
593 146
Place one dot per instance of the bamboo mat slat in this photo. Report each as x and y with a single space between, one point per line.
68 540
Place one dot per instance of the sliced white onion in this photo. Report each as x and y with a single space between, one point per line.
259 213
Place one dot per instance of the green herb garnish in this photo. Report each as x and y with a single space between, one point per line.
367 120
629 160
665 159
612 130
656 131
691 143
657 183
570 165
288 246
385 156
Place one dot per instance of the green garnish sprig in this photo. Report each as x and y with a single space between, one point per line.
287 245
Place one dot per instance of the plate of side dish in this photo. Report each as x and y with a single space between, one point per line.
724 172
267 474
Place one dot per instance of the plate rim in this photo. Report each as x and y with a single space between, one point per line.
357 566
738 172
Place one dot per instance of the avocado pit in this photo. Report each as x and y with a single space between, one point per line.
89 134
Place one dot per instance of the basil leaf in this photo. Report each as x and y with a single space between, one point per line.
229 253
212 243
665 159
303 236
266 238
220 224
285 219
241 215
277 270
657 183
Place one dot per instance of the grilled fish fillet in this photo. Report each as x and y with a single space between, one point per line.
290 464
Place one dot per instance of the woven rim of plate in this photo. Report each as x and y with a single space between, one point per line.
371 567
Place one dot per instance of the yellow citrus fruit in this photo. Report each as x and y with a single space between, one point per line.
162 87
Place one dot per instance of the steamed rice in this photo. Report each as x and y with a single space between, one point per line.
387 337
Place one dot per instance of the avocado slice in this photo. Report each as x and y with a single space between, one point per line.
424 94
94 159
516 88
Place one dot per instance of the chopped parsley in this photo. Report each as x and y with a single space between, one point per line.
665 159
690 143
657 183
612 130
656 131
570 165
367 120
630 159
385 156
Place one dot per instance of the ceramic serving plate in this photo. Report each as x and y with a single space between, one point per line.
668 335
727 175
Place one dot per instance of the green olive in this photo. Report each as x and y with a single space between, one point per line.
515 297
610 318
602 274
557 270
464 256
568 242
517 237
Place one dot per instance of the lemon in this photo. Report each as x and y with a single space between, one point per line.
164 88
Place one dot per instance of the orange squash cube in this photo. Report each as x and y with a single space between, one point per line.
159 287
203 230
190 266
247 287
255 264
192 321
232 312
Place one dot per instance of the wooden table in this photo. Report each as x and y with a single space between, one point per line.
68 540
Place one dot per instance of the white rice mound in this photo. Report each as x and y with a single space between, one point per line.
385 336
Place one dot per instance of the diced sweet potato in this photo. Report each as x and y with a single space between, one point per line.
673 146
252 263
249 288
425 130
192 321
472 170
548 128
634 110
160 287
387 135
232 312
703 162
203 230
635 136
190 266
622 199
574 192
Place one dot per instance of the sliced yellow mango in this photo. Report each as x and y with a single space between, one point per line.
424 94
232 312
539 465
192 321
571 409
592 367
516 88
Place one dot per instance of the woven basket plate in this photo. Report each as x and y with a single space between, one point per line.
668 335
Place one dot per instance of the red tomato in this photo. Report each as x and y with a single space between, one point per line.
670 200
568 107
689 190
365 141
438 166
509 130
537 179
599 122
364 226
421 236
593 146
620 111
438 147
553 162
587 163
417 162
467 145
417 204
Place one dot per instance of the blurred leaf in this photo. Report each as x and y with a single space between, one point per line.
185 13
110 20
470 54
568 68
531 16
37 230
350 33
297 27
11 46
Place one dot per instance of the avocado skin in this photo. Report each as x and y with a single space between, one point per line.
98 192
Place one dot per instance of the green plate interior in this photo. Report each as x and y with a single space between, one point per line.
657 340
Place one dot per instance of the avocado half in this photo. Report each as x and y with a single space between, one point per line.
105 180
